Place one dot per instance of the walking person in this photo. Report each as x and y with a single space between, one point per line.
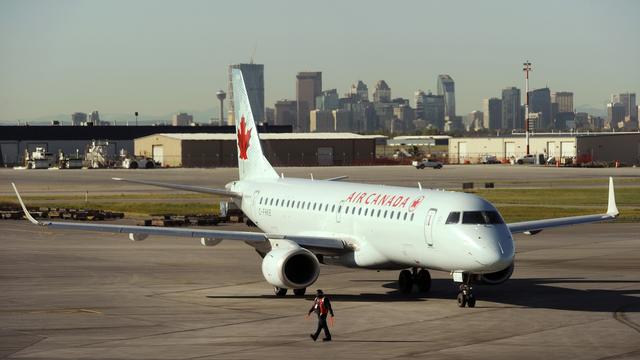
322 307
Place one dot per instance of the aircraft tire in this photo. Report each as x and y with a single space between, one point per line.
405 282
462 300
423 281
299 292
471 301
280 291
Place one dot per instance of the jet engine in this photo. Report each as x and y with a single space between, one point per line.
494 278
290 268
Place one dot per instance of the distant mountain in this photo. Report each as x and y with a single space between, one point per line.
589 109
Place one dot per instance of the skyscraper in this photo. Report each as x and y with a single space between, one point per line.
433 109
475 121
181 119
360 91
78 118
253 75
382 93
628 100
492 109
446 87
511 109
615 115
540 102
328 100
308 87
419 96
286 112
564 99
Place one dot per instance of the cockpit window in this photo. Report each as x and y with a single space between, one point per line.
453 218
481 217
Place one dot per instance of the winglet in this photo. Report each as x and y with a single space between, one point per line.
612 209
24 208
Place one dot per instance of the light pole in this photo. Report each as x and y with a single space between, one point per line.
221 96
526 67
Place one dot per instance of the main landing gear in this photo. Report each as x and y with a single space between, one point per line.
407 279
465 296
283 291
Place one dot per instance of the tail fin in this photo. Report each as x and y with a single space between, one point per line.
251 161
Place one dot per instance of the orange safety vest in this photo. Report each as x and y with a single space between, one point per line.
322 308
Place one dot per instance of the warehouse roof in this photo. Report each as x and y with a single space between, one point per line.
271 136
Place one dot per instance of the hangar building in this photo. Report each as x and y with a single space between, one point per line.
14 140
285 149
581 147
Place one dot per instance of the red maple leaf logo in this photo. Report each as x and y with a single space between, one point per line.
243 138
416 203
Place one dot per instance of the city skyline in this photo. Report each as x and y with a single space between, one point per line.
61 57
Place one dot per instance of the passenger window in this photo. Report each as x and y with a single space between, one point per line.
271 202
353 210
326 207
398 216
405 216
391 215
366 211
333 208
379 211
412 215
385 214
346 209
261 200
339 208
373 211
359 211
453 218
309 205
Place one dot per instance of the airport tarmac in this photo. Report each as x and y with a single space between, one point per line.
575 292
38 182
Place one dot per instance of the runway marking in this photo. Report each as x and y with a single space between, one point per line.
53 311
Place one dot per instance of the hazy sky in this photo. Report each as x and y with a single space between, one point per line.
159 57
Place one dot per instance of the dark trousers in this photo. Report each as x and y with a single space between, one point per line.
322 324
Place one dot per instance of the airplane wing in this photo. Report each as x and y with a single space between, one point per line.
317 244
534 227
198 189
338 178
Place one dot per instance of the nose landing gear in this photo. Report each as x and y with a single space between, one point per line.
465 296
421 278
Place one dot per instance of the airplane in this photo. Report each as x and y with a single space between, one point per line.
308 222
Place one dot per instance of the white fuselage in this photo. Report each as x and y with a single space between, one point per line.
390 227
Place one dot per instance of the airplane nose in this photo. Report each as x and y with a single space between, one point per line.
496 255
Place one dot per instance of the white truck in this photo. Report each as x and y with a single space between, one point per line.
426 163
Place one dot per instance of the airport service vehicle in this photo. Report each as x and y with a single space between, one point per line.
138 163
38 159
308 222
527 159
426 163
489 159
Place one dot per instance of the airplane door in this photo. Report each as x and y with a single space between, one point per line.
339 212
428 226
